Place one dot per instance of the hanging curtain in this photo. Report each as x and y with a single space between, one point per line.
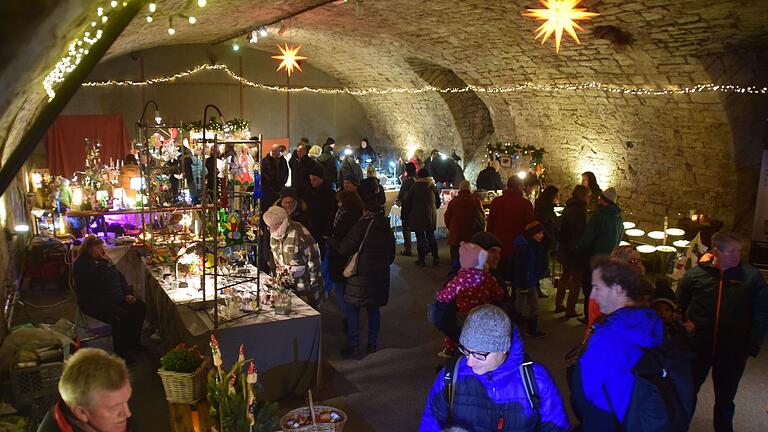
66 141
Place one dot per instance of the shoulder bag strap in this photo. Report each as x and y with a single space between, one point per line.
619 427
531 389
449 379
367 230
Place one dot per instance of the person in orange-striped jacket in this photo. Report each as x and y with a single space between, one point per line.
725 304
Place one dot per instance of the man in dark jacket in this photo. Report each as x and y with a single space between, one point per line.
488 391
372 239
725 303
603 380
95 388
489 178
321 203
603 233
572 226
301 166
509 215
103 293
330 163
274 176
405 186
422 202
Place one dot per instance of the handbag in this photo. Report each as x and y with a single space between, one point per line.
351 268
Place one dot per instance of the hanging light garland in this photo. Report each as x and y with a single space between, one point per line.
79 47
549 88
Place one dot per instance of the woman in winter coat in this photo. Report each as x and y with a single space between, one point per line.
422 202
544 212
365 154
373 241
464 217
294 248
350 167
350 211
589 180
573 222
407 182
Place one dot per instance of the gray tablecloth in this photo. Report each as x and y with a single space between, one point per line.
128 260
285 349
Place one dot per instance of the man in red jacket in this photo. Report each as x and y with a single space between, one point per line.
510 213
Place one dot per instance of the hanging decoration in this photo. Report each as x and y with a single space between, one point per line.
290 59
234 126
515 151
559 15
544 88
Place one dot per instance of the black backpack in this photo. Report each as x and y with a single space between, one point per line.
526 373
663 396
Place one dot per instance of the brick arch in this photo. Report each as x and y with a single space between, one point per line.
470 114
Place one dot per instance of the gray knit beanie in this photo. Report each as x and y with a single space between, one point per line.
487 329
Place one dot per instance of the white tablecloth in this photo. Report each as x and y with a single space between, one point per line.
394 217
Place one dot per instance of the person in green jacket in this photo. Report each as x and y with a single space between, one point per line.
725 304
603 233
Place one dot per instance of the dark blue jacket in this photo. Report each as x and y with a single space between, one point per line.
98 282
481 400
528 262
605 367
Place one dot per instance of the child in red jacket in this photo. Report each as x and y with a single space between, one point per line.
472 286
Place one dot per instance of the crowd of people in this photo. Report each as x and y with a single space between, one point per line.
330 231
647 350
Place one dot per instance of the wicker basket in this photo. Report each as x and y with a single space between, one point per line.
319 427
186 388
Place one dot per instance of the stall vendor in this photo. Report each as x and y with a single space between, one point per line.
103 293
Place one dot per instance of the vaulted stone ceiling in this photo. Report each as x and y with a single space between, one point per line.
638 144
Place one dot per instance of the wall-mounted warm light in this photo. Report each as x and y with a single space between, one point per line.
521 175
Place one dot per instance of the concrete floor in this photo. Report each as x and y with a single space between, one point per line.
386 391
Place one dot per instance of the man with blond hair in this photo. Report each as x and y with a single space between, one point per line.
95 388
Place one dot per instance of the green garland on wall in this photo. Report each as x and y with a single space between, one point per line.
233 126
515 151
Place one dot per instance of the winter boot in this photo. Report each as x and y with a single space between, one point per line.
532 330
422 256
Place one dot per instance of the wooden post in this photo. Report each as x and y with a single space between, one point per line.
242 109
288 111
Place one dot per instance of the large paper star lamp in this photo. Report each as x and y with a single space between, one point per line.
559 15
289 58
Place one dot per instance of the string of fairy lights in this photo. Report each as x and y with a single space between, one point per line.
80 47
554 17
591 86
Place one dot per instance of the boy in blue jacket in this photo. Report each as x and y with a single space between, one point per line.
488 391
529 267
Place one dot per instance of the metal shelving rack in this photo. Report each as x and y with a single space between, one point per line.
210 212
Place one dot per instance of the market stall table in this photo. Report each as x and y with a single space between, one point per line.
285 349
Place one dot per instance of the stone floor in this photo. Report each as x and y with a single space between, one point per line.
386 391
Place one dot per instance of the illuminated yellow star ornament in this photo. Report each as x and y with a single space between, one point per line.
559 15
289 58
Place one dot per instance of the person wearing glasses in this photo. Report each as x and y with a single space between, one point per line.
486 390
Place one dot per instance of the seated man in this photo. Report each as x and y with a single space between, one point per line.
488 391
103 293
95 388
